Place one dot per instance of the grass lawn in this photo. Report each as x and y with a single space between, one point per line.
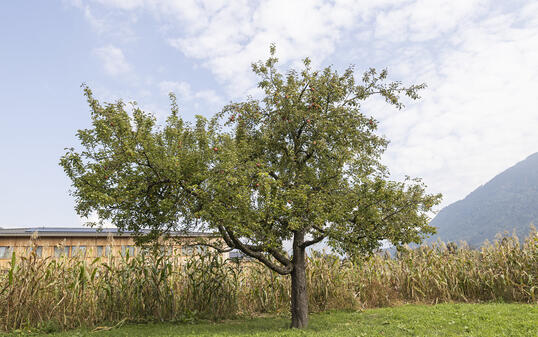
408 320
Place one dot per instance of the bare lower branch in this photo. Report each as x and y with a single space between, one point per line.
279 256
226 237
282 270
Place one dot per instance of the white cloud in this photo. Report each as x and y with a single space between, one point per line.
425 19
182 89
479 58
122 4
113 60
235 35
100 25
207 98
114 24
226 36
477 117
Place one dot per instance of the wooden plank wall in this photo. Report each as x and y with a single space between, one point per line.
20 245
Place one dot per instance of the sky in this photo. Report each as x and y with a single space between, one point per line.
479 58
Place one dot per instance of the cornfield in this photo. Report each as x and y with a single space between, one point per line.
56 294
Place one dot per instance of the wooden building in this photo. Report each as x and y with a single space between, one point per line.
57 242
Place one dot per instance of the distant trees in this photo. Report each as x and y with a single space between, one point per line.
300 164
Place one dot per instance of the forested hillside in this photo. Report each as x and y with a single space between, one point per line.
507 202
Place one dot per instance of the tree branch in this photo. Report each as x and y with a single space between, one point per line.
279 256
225 236
303 90
313 241
217 248
257 255
398 210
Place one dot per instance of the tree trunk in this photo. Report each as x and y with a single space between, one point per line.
299 294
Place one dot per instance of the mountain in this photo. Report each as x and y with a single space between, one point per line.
507 202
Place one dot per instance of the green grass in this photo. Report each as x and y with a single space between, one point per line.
494 319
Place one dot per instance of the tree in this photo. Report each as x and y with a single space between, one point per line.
300 164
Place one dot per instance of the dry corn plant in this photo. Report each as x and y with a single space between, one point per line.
68 292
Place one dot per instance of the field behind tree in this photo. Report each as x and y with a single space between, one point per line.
52 295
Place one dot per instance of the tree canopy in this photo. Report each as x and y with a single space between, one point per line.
300 163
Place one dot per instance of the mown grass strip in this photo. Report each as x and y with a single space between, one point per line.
493 319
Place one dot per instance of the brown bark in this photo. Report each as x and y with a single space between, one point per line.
299 294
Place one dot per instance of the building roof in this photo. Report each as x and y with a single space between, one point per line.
83 232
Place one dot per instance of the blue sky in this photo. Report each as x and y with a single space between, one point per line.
479 58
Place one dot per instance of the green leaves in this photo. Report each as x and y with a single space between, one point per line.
302 158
